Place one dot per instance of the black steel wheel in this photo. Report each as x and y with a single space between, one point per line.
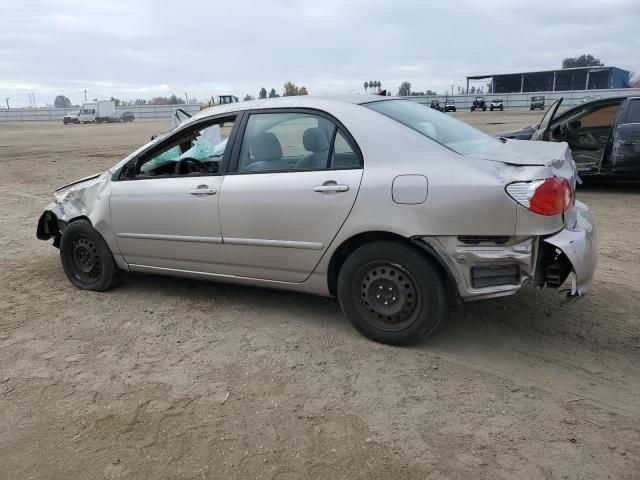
87 263
391 292
86 258
386 295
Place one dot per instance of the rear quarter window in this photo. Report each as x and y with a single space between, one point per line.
633 114
445 130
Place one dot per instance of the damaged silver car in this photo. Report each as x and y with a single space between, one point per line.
394 208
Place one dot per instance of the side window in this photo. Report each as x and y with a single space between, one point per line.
280 142
193 153
587 128
633 113
344 156
599 118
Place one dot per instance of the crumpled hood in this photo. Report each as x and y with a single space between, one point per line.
77 182
524 152
79 198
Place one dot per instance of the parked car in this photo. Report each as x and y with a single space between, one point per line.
449 106
393 207
479 103
496 104
127 117
603 135
71 117
435 104
537 102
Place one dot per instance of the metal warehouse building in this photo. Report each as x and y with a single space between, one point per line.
580 78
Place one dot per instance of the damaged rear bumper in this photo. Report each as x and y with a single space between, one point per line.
578 242
488 267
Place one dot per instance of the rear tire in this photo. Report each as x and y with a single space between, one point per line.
86 258
391 292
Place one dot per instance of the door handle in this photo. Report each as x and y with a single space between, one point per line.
203 190
331 188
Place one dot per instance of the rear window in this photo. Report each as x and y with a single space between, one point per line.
633 114
452 133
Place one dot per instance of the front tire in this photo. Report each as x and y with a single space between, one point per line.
391 293
86 258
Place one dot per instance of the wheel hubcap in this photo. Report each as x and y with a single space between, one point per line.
387 295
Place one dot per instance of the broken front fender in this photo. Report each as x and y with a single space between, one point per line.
578 241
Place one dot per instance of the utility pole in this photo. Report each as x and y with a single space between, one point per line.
7 100
187 97
85 94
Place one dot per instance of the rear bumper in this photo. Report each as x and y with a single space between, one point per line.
499 266
578 241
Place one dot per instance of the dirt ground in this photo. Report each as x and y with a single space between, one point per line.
174 379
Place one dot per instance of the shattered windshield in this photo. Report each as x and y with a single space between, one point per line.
452 133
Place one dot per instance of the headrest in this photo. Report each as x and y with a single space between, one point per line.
314 140
265 147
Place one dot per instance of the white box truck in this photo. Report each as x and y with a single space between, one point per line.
98 111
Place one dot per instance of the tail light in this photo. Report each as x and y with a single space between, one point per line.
551 196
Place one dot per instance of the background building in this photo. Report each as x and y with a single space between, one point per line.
580 78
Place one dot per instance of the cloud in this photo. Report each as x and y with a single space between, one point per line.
203 47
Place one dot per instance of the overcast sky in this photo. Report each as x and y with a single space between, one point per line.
145 48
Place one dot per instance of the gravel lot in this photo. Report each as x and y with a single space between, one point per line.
168 378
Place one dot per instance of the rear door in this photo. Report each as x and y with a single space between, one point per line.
292 182
541 132
624 157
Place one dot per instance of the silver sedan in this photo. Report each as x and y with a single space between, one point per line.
394 208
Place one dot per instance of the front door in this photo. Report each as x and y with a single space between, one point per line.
624 157
290 189
542 129
164 208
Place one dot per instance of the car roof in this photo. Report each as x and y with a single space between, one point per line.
302 101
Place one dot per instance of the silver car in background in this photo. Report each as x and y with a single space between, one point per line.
393 207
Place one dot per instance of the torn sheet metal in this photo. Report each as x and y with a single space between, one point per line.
580 244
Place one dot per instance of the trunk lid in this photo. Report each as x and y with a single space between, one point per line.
537 160
525 152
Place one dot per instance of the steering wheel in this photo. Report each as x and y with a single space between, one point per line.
189 162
